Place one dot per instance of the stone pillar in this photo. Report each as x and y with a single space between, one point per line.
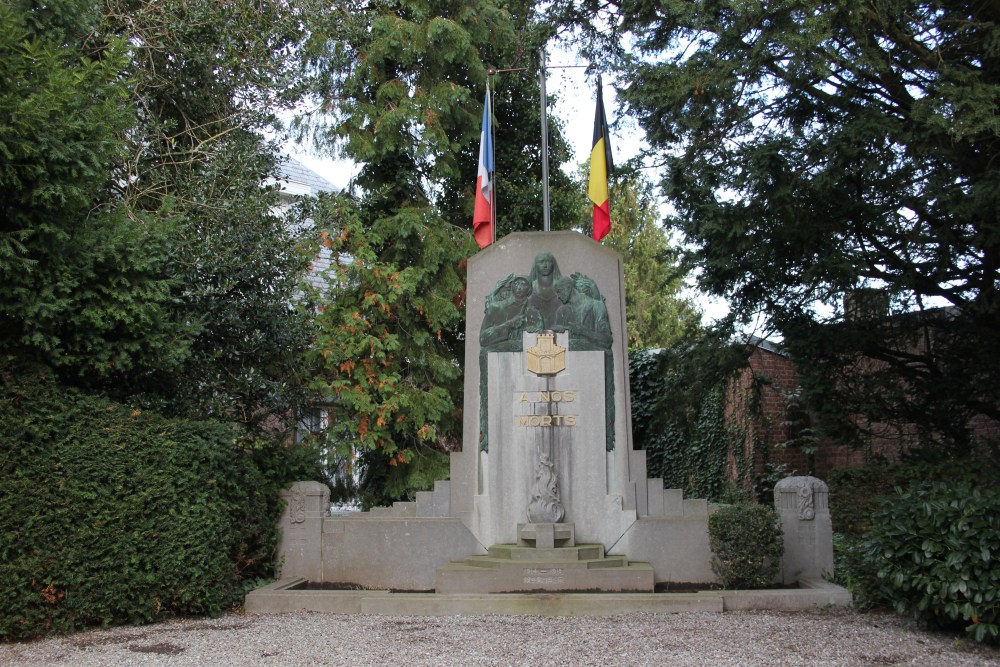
300 549
803 505
576 289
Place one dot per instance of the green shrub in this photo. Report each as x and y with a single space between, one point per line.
856 572
856 493
747 544
110 515
936 548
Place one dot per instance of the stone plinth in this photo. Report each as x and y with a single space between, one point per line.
803 505
511 568
546 535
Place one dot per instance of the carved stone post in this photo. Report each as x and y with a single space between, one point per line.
300 551
803 505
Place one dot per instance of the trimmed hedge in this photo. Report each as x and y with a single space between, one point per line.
936 550
747 545
110 515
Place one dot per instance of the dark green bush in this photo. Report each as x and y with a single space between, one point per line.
936 548
747 543
856 572
856 493
110 515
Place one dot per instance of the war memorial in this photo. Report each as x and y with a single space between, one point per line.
548 508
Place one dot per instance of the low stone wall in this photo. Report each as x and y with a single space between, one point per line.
403 547
387 548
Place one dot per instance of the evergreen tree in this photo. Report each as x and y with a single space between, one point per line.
85 289
817 149
207 81
658 315
401 88
139 246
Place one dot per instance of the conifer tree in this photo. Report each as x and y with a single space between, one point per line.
820 150
657 313
401 89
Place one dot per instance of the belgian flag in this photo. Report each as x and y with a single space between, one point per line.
601 168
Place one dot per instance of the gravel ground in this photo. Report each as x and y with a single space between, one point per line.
828 638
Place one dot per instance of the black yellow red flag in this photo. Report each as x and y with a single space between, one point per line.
601 168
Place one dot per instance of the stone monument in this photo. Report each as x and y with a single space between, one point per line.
803 505
546 372
547 492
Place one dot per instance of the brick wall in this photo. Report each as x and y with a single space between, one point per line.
771 382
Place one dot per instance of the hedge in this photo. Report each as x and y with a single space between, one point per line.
111 515
747 545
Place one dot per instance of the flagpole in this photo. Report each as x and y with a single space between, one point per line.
493 143
546 223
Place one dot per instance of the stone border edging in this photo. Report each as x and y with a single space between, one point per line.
283 596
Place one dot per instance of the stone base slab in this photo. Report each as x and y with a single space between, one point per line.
287 596
548 576
511 568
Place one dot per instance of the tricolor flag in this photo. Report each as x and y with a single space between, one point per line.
601 167
482 216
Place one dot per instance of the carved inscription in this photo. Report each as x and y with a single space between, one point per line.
546 420
545 302
547 396
550 397
545 576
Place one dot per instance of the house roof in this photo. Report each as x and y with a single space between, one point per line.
764 344
298 179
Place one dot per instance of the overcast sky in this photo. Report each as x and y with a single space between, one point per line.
575 107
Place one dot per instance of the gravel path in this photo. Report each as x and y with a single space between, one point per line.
827 638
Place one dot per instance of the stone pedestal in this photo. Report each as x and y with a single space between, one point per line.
301 525
803 505
546 535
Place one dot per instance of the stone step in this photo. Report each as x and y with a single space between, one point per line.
607 561
518 552
580 604
492 563
404 509
466 578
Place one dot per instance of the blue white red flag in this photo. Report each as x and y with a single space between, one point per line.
482 216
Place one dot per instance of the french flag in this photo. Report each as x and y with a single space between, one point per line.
482 216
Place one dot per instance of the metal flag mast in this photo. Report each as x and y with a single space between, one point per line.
546 221
546 216
493 177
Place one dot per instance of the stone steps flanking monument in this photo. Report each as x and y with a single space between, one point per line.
510 568
547 493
